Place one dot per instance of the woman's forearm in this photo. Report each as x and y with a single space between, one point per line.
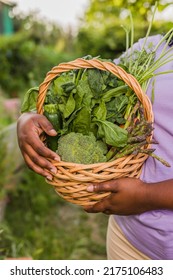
160 195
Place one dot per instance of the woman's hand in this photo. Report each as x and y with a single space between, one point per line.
29 128
128 196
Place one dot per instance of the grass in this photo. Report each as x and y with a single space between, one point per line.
41 225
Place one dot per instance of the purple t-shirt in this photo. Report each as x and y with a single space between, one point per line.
152 232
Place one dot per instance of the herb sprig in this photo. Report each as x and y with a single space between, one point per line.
143 63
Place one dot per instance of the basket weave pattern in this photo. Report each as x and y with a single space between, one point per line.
71 179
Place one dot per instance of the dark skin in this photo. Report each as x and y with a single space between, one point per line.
128 195
131 196
29 128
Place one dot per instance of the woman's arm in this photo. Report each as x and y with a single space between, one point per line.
29 128
131 196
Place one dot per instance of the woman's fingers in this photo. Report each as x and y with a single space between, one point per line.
31 139
37 168
31 156
102 206
108 186
36 155
41 149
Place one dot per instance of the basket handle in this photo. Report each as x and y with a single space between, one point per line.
79 63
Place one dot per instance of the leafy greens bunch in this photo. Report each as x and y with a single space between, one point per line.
100 106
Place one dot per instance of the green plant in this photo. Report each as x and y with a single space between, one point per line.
24 62
3 166
52 114
100 31
10 247
40 224
5 119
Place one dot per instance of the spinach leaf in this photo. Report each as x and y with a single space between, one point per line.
116 109
30 100
96 82
100 111
68 87
61 81
69 106
62 103
82 121
112 133
114 92
50 98
84 94
112 80
67 123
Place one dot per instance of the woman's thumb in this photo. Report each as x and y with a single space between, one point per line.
47 126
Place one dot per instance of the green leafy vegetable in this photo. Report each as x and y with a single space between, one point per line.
79 148
30 100
54 116
112 133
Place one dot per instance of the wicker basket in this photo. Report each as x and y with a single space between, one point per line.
71 179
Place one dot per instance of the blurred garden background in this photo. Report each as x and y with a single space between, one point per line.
34 222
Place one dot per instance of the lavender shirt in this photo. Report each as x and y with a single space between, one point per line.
152 232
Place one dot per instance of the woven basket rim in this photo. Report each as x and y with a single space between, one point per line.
91 63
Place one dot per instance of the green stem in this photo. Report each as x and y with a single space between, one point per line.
164 162
163 40
111 153
131 41
145 66
149 74
150 26
77 78
114 92
127 43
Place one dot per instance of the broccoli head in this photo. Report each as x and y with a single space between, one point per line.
79 148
